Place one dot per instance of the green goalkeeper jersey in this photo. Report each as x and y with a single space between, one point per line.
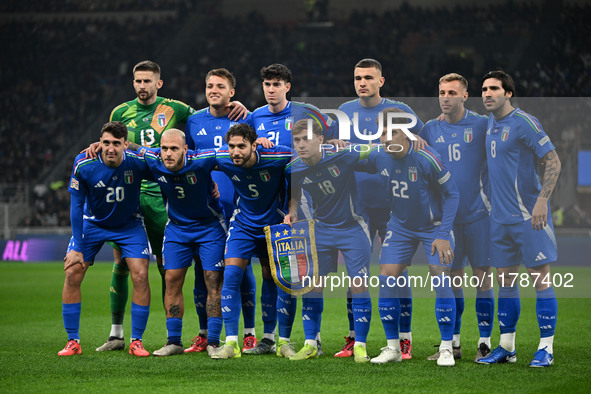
146 123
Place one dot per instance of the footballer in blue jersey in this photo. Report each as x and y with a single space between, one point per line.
460 141
328 178
424 201
373 196
195 228
206 130
105 206
521 222
258 177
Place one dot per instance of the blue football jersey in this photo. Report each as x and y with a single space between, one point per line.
260 188
187 192
276 127
461 146
513 144
370 187
111 194
331 185
423 193
205 131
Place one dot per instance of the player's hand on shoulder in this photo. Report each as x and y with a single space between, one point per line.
539 215
420 143
444 249
215 192
266 143
238 111
92 150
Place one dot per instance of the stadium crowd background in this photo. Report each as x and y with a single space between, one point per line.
67 64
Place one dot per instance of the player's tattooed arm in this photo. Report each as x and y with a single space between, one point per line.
549 172
133 146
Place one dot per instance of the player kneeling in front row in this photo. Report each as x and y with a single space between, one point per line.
423 206
110 187
328 177
196 228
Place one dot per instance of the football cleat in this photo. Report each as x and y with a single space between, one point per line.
229 350
198 344
169 349
136 348
388 355
457 352
542 359
284 349
498 356
347 350
405 347
446 358
483 351
265 346
249 342
308 351
72 348
212 349
360 354
113 343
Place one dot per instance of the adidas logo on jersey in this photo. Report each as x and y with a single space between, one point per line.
306 317
226 309
283 310
540 257
385 172
162 179
146 251
444 319
307 180
100 184
405 314
202 132
362 271
220 263
235 178
387 317
362 319
483 324
440 139
261 127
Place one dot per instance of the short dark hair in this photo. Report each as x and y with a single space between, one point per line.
369 63
242 130
302 125
147 65
506 80
276 71
116 129
222 73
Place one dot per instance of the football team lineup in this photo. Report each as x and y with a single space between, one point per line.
458 184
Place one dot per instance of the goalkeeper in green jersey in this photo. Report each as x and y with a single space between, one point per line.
146 118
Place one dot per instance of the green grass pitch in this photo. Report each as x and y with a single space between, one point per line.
31 334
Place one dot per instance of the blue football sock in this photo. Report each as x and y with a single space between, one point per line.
445 308
174 326
248 293
547 310
405 303
485 309
71 316
286 310
509 309
269 305
311 314
362 315
459 297
231 301
389 306
350 311
200 296
215 329
139 320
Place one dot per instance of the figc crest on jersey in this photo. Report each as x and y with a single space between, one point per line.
412 174
128 176
334 170
468 135
288 123
265 176
505 133
161 120
191 178
292 256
